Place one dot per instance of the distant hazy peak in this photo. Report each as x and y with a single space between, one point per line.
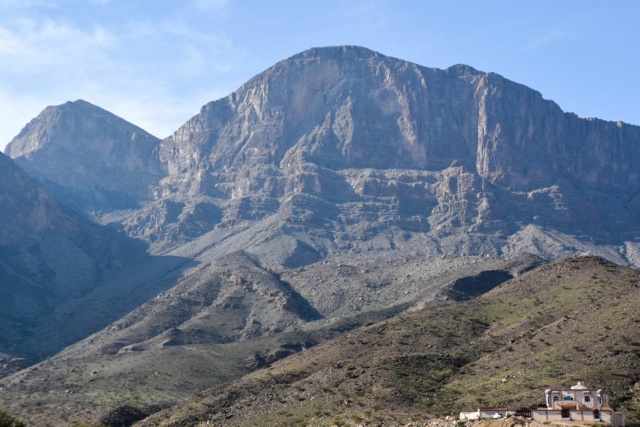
80 145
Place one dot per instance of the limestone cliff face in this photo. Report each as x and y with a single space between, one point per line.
525 142
343 149
336 108
443 151
349 107
84 148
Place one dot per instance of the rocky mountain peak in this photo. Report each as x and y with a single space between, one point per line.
350 143
82 147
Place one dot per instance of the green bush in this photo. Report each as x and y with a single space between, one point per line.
7 420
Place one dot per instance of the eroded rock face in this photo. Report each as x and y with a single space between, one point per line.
97 157
349 107
447 151
342 149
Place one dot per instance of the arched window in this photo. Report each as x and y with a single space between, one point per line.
568 398
556 398
587 399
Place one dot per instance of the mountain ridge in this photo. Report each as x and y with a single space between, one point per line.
336 188
87 154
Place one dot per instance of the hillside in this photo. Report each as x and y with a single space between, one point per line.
50 257
230 317
562 322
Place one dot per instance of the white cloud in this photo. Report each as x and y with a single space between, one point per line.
23 4
30 46
154 72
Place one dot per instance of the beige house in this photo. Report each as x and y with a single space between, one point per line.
577 403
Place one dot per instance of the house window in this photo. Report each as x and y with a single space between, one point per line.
600 400
548 401
587 399
556 398
568 398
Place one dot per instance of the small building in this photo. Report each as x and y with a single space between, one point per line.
492 412
578 403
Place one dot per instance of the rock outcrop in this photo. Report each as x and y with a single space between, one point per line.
344 139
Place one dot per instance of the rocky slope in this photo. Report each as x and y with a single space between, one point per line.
48 254
563 322
58 269
227 318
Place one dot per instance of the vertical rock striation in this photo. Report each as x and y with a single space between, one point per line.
344 149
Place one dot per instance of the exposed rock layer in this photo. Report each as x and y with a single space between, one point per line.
342 149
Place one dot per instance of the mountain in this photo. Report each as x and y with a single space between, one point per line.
343 150
89 156
48 254
337 189
562 322
357 151
58 270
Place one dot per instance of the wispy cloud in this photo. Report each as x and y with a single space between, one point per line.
29 45
141 70
548 37
23 4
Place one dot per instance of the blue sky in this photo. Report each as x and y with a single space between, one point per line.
155 63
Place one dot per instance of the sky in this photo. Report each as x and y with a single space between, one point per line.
156 62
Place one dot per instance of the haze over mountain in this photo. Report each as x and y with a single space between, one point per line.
338 188
49 255
104 160
59 271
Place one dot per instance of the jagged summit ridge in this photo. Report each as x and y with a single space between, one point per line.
23 144
330 107
338 144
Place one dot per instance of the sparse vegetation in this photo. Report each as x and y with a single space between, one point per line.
7 420
479 355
